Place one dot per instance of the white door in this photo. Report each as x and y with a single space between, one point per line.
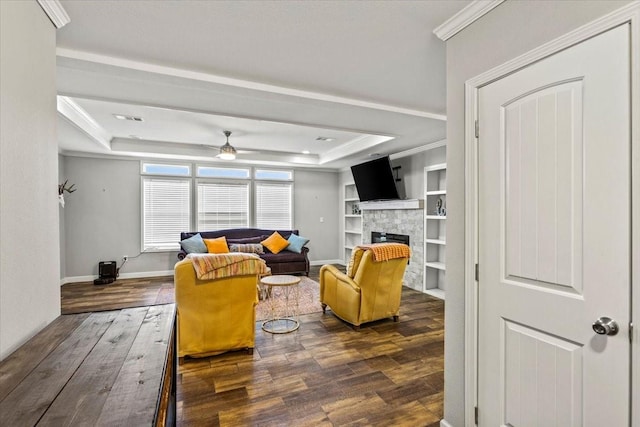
554 239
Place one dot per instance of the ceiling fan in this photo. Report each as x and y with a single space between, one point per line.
228 151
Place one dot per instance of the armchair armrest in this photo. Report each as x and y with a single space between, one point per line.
330 274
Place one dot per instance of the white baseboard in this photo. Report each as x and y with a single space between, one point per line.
327 261
444 423
136 275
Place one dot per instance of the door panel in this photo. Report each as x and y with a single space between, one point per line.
554 239
543 147
541 371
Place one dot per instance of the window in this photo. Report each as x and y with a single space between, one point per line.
214 172
222 205
272 174
274 205
166 212
158 169
219 198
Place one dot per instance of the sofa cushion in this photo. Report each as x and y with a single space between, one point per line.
283 257
250 248
194 244
217 246
275 243
247 240
296 243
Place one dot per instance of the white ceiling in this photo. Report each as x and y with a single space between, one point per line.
277 74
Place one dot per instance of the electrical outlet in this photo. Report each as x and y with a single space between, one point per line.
125 258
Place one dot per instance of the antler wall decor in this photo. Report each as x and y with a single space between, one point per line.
63 187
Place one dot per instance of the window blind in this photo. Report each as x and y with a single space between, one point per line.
222 205
166 212
273 205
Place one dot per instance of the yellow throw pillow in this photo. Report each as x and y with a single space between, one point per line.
217 246
275 243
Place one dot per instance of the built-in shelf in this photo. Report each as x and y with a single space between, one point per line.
435 264
435 229
352 220
436 241
435 292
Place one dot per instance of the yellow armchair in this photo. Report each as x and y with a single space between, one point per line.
371 292
215 315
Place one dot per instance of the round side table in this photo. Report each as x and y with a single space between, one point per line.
283 306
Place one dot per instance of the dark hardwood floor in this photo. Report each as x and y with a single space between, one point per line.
325 373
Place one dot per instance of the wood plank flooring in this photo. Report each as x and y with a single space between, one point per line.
324 374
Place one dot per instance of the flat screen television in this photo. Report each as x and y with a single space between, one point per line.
374 180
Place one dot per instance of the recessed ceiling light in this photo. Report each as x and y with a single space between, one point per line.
306 152
325 138
130 118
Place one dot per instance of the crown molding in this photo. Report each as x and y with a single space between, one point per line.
417 150
83 121
458 22
55 12
244 84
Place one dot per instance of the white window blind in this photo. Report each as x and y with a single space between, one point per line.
273 205
222 205
166 212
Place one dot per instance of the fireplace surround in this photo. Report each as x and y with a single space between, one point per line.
396 222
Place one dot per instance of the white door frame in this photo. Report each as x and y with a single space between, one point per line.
627 14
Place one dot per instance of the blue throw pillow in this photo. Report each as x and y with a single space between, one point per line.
296 243
194 244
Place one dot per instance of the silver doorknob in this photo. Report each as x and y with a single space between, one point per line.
605 326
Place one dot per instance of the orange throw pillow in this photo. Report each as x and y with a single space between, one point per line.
275 243
217 246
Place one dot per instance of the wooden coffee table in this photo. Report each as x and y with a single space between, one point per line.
283 305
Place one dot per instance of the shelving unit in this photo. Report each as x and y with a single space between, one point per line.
435 229
352 220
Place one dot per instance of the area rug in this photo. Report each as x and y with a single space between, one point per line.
86 297
308 294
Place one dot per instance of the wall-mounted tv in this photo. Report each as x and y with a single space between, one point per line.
374 180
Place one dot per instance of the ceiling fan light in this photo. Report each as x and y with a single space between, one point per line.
227 152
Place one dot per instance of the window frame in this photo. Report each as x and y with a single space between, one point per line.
195 179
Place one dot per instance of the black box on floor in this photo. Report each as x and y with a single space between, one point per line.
107 272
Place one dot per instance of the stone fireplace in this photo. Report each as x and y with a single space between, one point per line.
401 222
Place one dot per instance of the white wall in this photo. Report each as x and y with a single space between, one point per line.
29 248
102 218
510 30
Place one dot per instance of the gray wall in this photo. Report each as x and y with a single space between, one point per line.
511 29
63 258
316 194
412 171
102 218
29 250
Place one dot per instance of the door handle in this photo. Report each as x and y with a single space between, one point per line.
605 326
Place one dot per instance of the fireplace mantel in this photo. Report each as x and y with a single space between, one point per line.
392 204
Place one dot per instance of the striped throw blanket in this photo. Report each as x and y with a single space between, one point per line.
387 251
215 266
